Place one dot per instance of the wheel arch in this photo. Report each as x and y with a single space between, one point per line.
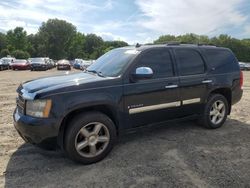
106 109
227 93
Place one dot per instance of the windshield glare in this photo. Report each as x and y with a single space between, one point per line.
37 60
113 62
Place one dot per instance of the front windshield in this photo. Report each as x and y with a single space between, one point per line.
6 60
113 62
37 60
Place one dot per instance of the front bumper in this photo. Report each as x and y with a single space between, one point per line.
35 130
39 67
63 67
20 67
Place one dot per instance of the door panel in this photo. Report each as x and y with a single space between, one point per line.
192 71
149 102
193 93
156 99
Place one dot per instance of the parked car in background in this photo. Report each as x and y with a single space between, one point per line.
49 62
3 65
72 62
52 63
247 66
63 65
8 60
77 63
21 64
244 66
38 63
85 64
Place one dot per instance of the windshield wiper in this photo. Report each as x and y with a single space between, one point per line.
96 72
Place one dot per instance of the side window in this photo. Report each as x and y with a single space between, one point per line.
190 62
159 60
222 60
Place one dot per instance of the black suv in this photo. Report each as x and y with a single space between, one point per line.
124 89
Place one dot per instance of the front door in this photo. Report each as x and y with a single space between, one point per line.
155 99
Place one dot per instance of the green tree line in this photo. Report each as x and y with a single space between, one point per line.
56 39
59 39
241 48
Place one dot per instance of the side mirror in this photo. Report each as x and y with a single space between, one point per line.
143 73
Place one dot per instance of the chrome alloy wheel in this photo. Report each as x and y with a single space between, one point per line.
92 139
217 112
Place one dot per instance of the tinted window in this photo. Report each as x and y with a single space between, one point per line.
221 59
190 62
159 60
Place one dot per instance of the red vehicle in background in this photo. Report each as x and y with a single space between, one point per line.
20 64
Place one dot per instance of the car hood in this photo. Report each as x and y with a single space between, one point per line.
20 64
60 81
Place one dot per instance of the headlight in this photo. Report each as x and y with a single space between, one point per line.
38 108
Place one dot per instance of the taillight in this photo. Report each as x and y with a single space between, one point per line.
241 79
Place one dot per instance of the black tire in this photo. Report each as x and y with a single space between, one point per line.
205 120
72 133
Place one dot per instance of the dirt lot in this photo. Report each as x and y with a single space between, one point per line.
176 155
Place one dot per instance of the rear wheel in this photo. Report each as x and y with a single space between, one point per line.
90 137
215 113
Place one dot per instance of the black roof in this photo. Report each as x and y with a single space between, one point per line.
171 45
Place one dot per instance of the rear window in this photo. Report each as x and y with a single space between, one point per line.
189 62
221 59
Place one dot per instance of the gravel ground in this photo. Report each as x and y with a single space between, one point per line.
175 155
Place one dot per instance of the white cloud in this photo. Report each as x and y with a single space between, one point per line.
31 13
141 22
247 31
190 16
109 36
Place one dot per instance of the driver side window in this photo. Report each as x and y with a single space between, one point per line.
159 60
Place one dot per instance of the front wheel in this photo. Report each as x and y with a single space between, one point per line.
215 113
90 137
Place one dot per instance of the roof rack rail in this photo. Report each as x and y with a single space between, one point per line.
173 43
204 44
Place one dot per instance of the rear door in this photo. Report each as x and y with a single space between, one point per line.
155 99
193 83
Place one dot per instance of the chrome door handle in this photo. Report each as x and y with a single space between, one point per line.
207 81
171 86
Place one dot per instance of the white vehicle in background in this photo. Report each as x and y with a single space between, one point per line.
8 60
84 65
3 65
247 66
244 66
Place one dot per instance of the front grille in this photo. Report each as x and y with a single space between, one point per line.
20 104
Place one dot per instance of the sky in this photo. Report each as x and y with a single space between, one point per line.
132 20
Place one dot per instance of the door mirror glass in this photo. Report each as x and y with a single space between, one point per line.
143 73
